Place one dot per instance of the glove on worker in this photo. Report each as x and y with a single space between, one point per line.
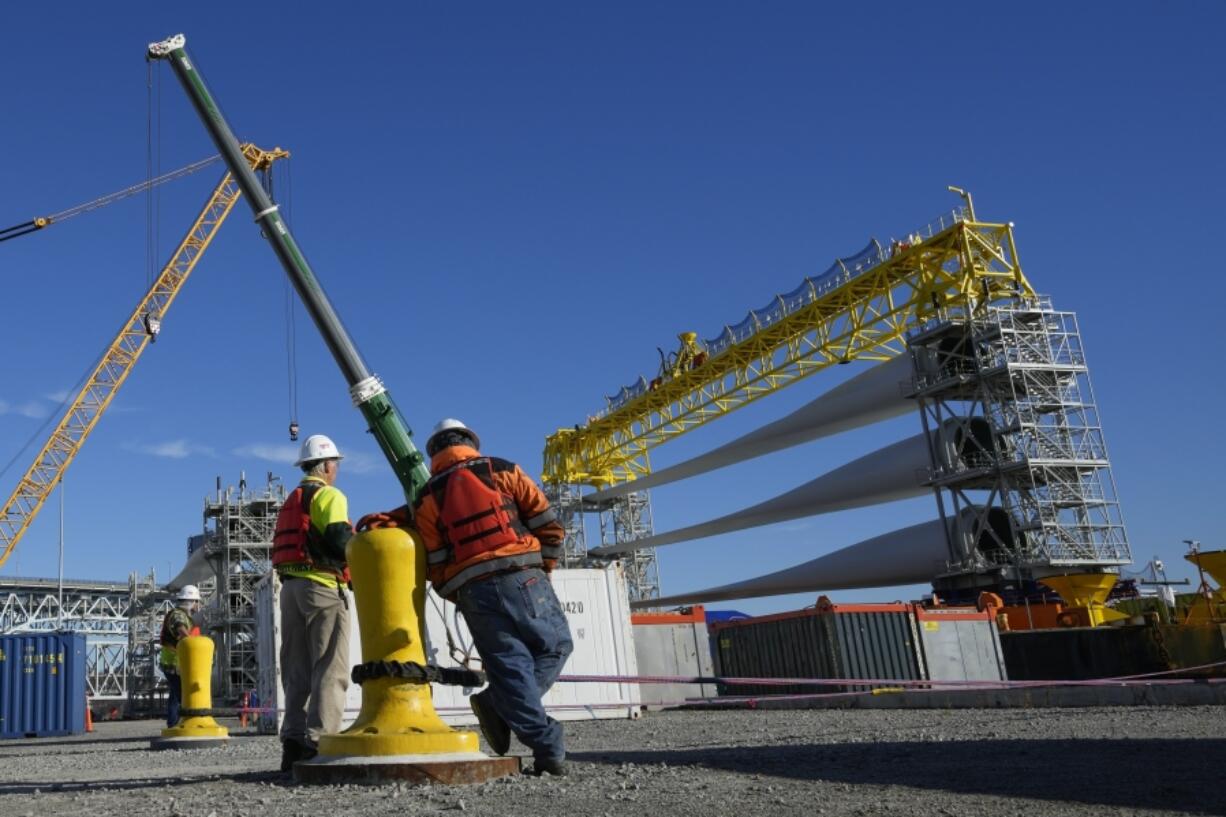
399 518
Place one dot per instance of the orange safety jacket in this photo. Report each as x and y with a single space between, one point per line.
481 515
296 541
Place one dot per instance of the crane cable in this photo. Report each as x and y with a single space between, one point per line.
150 203
43 221
291 330
153 197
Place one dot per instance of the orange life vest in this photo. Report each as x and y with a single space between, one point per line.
293 539
474 517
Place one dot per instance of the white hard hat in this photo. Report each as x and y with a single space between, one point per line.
451 424
190 592
318 447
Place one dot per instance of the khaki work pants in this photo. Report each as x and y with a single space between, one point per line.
314 659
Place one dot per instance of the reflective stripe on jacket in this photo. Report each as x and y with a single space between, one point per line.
537 539
312 531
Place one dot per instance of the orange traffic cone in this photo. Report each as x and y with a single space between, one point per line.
89 716
242 712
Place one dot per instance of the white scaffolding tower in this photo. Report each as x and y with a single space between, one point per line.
1020 367
237 543
621 520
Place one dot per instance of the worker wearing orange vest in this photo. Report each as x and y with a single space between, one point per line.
308 554
176 626
491 541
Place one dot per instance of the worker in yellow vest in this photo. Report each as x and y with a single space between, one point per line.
177 625
308 553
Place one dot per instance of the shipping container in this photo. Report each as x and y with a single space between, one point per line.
673 644
596 608
960 644
1082 653
42 684
896 642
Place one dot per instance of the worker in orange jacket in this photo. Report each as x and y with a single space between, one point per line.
491 541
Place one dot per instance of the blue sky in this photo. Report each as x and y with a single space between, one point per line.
512 205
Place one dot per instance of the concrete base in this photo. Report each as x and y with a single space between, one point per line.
448 769
188 743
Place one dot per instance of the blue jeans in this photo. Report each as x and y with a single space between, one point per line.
174 696
521 633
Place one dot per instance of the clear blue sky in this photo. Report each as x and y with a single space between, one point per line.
512 205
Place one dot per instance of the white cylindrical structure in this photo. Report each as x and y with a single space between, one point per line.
898 471
872 396
911 555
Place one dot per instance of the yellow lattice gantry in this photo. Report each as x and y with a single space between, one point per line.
860 309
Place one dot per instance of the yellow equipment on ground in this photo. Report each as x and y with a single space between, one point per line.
195 671
397 716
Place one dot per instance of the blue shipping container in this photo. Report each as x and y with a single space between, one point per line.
42 684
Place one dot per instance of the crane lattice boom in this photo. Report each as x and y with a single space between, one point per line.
116 364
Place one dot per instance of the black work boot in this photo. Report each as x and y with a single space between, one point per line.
291 753
541 766
497 733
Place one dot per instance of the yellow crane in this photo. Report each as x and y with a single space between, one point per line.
100 387
860 309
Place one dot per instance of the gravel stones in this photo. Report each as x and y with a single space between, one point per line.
918 763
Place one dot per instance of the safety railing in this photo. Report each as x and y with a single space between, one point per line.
840 273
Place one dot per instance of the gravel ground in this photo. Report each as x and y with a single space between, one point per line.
1142 760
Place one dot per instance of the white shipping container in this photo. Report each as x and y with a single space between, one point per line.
673 644
596 608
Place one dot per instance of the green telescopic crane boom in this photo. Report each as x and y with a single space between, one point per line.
367 391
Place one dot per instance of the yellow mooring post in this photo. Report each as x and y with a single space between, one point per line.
196 728
397 734
1085 594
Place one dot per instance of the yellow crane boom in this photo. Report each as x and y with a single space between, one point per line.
856 315
116 364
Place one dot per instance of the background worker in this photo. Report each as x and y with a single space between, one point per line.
491 539
308 554
176 626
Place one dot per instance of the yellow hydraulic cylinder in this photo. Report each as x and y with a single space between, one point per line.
397 717
1087 591
195 670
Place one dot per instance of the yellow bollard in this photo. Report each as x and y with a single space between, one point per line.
397 717
196 669
1088 592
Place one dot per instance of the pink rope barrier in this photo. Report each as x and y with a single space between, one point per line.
1147 679
1151 677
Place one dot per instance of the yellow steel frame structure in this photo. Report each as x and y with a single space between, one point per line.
116 364
963 267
